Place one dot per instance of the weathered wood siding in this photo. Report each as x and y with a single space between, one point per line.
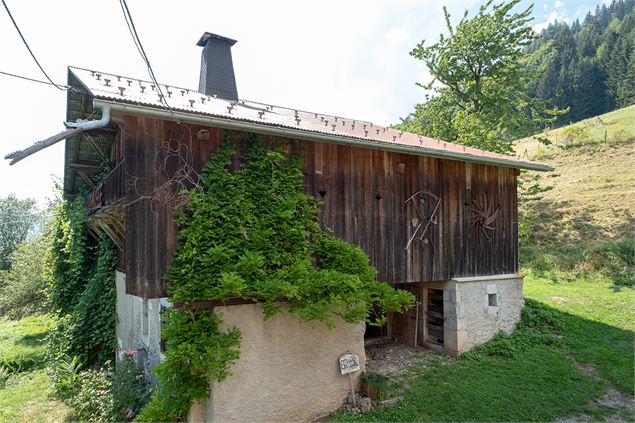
363 191
362 194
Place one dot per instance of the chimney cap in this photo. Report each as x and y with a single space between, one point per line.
207 35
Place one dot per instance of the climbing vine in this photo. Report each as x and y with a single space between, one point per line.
251 232
82 290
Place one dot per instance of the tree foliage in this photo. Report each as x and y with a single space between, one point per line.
253 233
481 90
17 218
24 287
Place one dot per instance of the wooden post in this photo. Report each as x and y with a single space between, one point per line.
350 384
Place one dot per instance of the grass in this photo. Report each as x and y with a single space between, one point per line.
22 345
594 183
26 395
598 320
618 126
26 399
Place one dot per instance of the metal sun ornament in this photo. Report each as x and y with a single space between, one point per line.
483 216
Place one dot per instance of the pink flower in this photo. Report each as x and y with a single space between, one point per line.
129 353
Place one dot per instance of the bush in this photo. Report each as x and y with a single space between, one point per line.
66 378
376 385
93 401
106 394
4 377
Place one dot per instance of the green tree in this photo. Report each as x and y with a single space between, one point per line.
479 81
17 218
621 64
23 287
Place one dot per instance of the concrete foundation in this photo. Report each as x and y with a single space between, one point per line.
288 371
138 325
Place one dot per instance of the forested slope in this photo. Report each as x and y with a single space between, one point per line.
588 66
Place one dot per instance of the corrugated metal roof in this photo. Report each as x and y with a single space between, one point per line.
123 89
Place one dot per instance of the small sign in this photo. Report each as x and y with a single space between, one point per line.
349 363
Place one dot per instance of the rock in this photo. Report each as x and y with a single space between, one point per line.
389 401
365 405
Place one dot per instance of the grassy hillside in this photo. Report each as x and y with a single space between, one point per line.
586 220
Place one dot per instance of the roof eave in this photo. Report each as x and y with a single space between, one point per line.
134 109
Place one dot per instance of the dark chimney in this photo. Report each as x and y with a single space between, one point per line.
217 69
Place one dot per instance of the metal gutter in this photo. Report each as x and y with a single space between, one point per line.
309 136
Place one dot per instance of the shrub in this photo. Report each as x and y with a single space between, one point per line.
105 394
4 377
93 400
65 375
376 385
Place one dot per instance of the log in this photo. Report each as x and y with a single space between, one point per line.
16 156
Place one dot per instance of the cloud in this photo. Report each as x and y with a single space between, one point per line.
397 35
553 17
558 4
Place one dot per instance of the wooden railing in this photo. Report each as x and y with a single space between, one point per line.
109 191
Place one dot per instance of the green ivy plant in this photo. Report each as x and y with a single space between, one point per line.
82 290
253 233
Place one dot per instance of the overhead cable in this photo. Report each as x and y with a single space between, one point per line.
26 78
144 56
29 48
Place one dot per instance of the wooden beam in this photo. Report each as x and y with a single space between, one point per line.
86 179
97 149
115 238
85 168
213 303
16 156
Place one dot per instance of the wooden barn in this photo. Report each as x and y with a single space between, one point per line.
435 218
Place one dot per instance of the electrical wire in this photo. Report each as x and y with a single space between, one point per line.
135 37
29 48
26 78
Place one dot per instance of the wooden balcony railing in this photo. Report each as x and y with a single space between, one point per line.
109 191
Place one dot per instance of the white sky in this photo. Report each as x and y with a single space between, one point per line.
347 58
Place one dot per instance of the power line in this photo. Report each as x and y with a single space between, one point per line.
144 56
26 78
29 48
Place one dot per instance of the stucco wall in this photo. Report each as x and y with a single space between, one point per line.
470 320
288 371
138 324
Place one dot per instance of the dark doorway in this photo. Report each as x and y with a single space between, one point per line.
435 316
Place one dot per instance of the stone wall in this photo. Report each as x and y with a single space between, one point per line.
477 308
138 325
288 371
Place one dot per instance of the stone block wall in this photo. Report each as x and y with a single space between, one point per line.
477 308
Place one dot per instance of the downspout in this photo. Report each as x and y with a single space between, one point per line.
73 128
87 125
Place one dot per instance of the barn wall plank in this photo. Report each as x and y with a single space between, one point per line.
364 191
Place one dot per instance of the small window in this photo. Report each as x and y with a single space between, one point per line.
492 299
